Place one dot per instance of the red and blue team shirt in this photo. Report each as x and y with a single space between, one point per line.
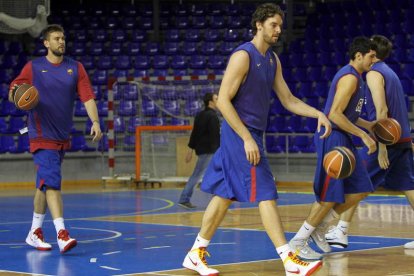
356 102
395 100
50 122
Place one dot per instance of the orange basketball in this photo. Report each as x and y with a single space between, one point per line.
387 131
339 162
25 96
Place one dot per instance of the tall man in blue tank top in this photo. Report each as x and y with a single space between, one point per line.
392 166
239 171
343 108
59 81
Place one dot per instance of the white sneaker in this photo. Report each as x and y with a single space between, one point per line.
318 237
295 266
409 245
35 239
303 250
337 238
65 242
196 261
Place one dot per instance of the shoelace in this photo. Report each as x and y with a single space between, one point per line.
39 233
63 235
294 258
201 254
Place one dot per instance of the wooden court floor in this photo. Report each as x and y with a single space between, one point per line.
384 220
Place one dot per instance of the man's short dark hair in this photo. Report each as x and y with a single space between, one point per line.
263 12
361 44
207 98
50 29
384 46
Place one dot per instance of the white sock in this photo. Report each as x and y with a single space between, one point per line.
37 221
332 215
283 251
305 231
59 224
200 242
343 225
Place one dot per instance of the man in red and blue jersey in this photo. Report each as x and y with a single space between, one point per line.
59 80
392 166
239 169
343 108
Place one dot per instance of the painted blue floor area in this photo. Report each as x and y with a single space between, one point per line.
116 248
111 248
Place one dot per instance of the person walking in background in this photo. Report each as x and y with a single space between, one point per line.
343 107
204 140
59 81
239 170
392 166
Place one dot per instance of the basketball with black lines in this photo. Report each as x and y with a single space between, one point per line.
25 96
339 163
387 131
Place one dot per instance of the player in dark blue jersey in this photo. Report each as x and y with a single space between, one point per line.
59 81
343 108
392 166
239 171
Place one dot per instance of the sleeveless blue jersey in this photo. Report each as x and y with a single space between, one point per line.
353 110
57 85
252 101
395 99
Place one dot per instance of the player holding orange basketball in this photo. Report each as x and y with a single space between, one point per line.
392 166
343 108
59 81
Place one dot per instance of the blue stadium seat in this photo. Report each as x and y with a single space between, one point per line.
198 62
88 62
212 35
192 35
129 23
142 62
7 144
102 108
407 85
100 77
189 48
182 22
123 62
217 22
216 62
3 125
15 48
133 122
179 122
138 35
227 47
276 124
246 34
100 35
236 22
114 49
129 143
149 108
209 48
179 72
146 23
80 110
127 108
23 144
133 49
192 107
131 92
150 92
15 124
152 48
104 63
158 121
173 35
179 62
160 72
231 35
80 36
8 61
119 124
171 48
310 125
199 22
96 49
5 76
118 35
160 62
172 107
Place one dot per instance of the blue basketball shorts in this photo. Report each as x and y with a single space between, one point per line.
48 166
230 175
399 175
328 189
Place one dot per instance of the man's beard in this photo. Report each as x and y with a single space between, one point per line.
58 53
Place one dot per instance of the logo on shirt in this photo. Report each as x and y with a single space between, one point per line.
70 71
44 71
258 65
359 105
271 61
